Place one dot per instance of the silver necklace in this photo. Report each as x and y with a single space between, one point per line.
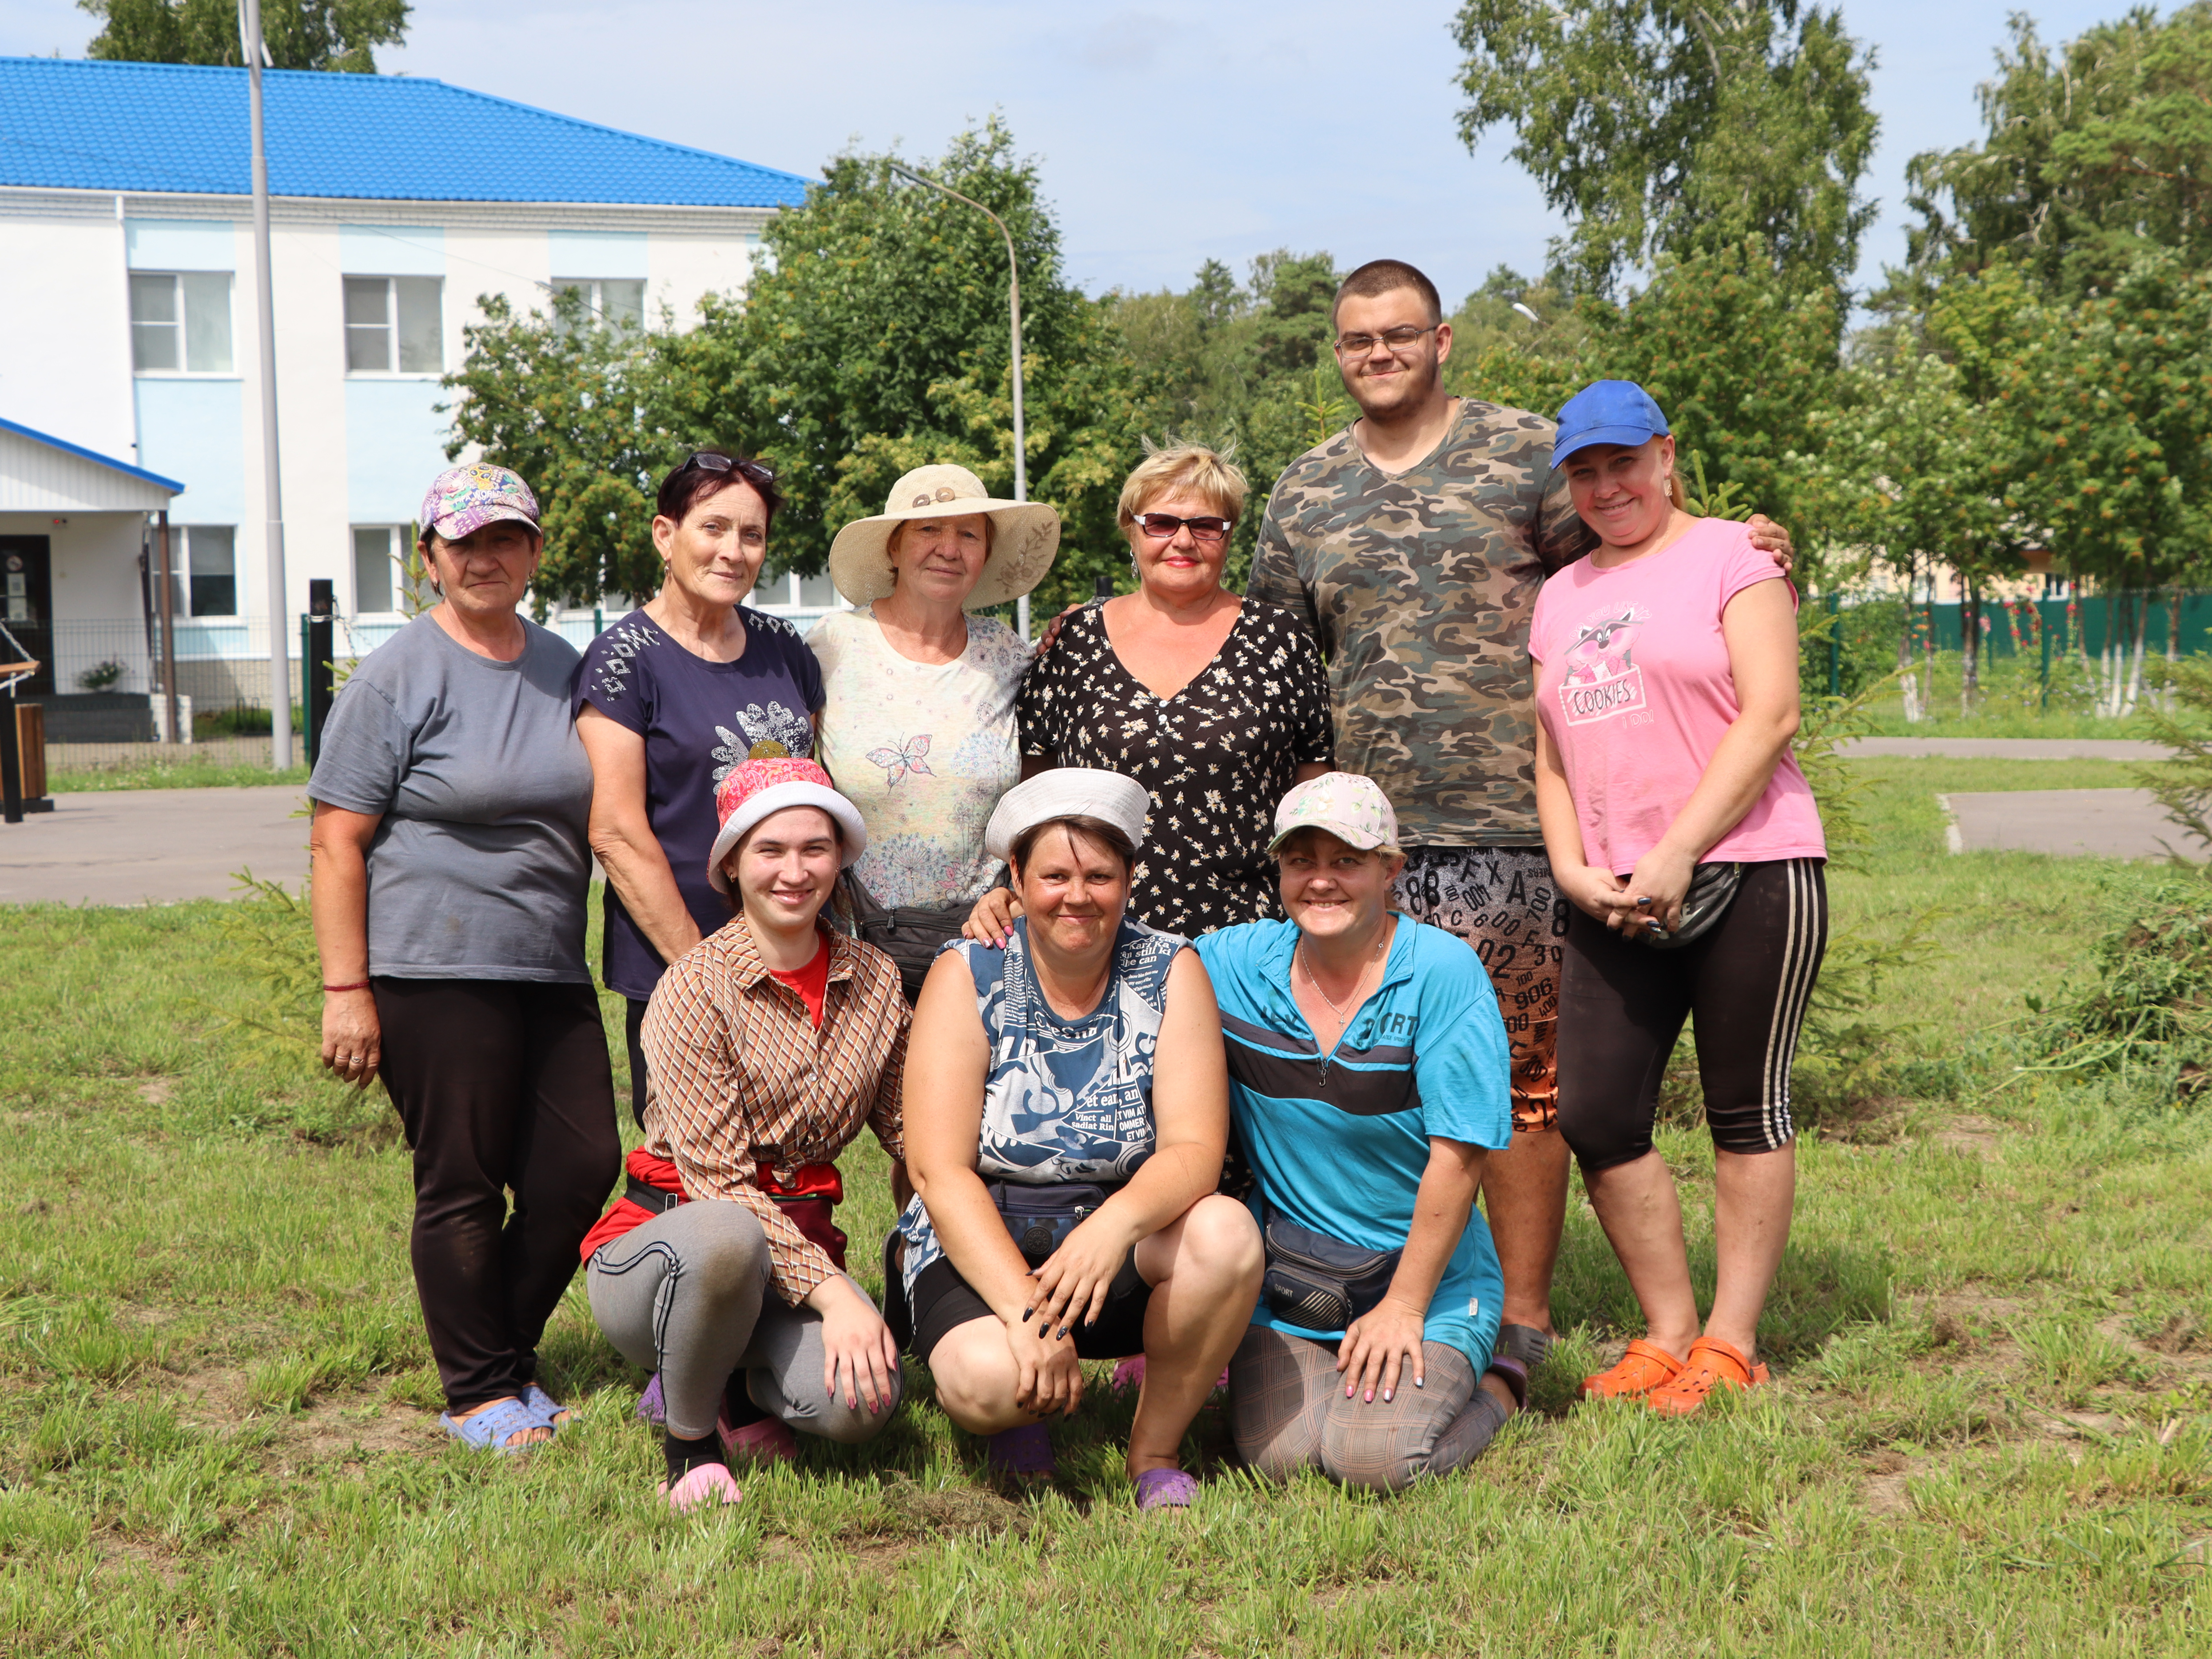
1342 1018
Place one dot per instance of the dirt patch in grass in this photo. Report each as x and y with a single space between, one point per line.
1977 1137
1886 1496
156 1091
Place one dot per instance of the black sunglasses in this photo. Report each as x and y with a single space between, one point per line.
1164 525
712 460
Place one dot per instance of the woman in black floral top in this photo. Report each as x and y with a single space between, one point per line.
1217 705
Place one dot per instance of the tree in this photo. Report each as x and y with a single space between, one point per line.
2095 154
299 35
1668 127
2113 399
873 340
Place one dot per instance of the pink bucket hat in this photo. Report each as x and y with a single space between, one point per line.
463 500
754 789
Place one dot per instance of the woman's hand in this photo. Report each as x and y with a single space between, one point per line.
1052 629
1771 539
992 921
1072 1285
1595 892
1049 1377
1659 883
856 1344
353 1040
1377 1346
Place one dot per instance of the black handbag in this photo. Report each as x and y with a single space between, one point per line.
1040 1218
1318 1282
1713 889
911 935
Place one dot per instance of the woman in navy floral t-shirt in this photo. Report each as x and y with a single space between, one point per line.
669 700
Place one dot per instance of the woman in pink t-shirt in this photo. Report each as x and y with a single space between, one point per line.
1667 696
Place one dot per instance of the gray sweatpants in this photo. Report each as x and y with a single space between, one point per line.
1289 1412
687 1295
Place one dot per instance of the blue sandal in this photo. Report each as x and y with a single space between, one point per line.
489 1429
546 1407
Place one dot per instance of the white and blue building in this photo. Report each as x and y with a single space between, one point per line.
129 371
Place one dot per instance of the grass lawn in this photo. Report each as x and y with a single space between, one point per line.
1990 1429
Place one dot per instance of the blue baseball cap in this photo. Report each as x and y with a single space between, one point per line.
1606 412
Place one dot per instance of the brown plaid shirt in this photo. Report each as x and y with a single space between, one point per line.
735 1075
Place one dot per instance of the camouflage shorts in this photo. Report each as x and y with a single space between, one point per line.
1502 901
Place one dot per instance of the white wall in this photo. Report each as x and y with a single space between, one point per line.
351 447
65 331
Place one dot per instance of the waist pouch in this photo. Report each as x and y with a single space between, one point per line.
1713 889
810 1213
1038 1219
911 935
1318 1282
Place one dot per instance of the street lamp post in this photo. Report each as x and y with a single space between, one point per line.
280 669
1014 310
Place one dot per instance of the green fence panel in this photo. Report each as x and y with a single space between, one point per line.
2092 624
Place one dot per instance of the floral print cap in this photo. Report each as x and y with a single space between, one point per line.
463 500
1351 808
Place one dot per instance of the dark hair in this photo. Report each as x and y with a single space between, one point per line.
1080 827
1379 276
691 482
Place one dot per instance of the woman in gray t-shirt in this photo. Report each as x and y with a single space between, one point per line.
451 875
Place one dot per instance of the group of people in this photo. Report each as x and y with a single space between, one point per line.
1203 1075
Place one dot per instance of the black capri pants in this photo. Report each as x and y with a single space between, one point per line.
1747 981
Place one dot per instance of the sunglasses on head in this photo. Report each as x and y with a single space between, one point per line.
712 460
1207 528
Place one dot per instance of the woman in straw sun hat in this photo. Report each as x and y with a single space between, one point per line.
918 721
1065 1111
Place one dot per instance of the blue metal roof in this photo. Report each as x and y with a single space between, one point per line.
173 127
108 461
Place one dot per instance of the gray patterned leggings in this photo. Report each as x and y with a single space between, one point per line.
687 1295
1288 1409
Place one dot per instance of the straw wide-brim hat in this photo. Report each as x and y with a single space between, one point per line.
1025 536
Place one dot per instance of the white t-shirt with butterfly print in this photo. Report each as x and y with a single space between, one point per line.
924 749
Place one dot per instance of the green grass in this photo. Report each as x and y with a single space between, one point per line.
1991 1430
195 774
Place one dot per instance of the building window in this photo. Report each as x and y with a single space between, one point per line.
180 323
617 299
394 326
381 585
204 575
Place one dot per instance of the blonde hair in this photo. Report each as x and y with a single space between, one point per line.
1183 466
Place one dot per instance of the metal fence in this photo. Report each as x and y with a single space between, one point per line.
106 709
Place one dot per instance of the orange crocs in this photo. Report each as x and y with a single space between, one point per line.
1645 1367
1713 1364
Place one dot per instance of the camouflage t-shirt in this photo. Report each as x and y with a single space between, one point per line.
1419 587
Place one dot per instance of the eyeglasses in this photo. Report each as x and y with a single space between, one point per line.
1396 340
712 460
1163 525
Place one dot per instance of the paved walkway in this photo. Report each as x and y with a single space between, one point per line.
2119 749
153 845
2112 824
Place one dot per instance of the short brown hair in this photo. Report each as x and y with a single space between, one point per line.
1193 466
1379 276
1080 827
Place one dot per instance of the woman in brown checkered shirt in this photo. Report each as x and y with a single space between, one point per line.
769 1043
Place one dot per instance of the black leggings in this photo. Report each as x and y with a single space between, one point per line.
500 1085
1622 1004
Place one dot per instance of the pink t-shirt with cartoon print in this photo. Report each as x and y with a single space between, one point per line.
1633 685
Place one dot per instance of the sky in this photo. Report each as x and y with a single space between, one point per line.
1166 134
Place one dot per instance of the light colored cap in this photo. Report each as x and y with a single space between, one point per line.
1351 808
1068 791
756 789
1025 538
463 500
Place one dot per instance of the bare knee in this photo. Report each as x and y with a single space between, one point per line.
1221 1241
975 1377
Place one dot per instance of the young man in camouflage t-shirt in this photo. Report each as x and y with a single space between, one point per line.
1413 543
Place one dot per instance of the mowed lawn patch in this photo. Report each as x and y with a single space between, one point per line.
1990 1429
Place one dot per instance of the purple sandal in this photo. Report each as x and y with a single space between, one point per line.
1026 1451
1165 1489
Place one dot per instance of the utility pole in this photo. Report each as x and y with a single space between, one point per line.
280 669
1014 305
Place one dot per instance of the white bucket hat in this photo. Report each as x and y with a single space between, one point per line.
1025 536
1068 791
